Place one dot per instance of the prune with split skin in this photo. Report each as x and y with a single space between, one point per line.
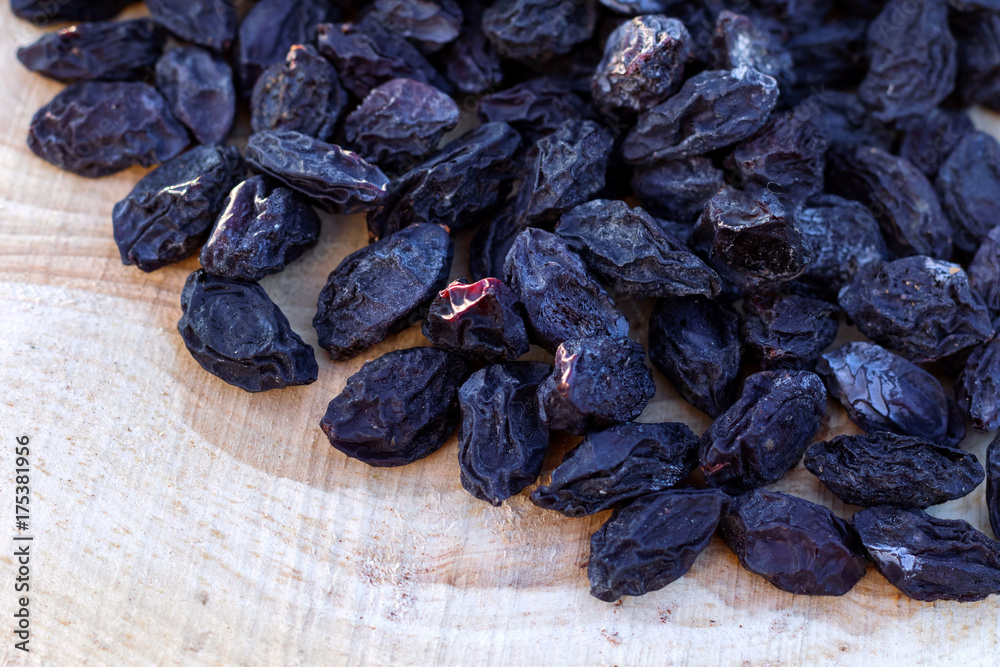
198 84
109 51
463 182
98 128
830 55
928 140
534 31
882 391
170 212
929 558
490 245
534 108
562 300
501 438
44 12
788 330
677 189
798 546
889 469
652 541
400 123
764 434
631 253
977 389
993 484
271 28
618 465
919 307
382 289
597 382
338 181
398 408
969 186
696 343
210 23
430 25
236 333
261 230
740 42
977 34
482 321
984 272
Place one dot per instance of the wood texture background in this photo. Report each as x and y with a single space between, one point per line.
181 521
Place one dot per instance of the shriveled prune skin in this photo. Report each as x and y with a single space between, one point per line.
636 7
977 389
643 64
461 183
712 110
788 331
44 12
338 181
912 61
677 189
831 55
428 24
561 299
764 434
482 321
501 438
597 382
920 307
696 343
271 28
470 63
740 41
631 253
846 120
652 542
798 546
120 50
882 391
170 212
618 465
969 186
211 23
929 558
490 245
98 128
794 15
984 272
260 231
928 140
993 484
534 108
382 289
400 123
977 34
889 469
198 84
534 31
398 408
234 330
901 198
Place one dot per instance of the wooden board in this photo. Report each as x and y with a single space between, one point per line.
180 521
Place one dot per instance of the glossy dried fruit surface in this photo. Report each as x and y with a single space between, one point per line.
533 31
501 439
234 330
98 128
170 212
272 27
677 189
798 546
618 465
44 12
928 140
652 542
984 272
889 469
977 389
470 63
928 558
741 41
788 331
398 408
993 484
969 185
534 108
382 289
211 23
482 321
490 245
428 24
199 87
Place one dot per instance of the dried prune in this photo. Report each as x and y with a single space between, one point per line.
562 170
677 189
788 331
597 382
928 558
920 307
400 123
977 34
501 438
44 12
490 245
470 63
763 435
236 333
643 64
635 7
110 51
889 469
560 297
465 180
199 87
712 110
652 542
926 141
898 195
428 24
993 484
337 180
884 392
631 253
98 128
798 546
977 389
262 229
482 321
696 343
794 15
533 31
272 27
211 23
969 185
829 55
534 108
984 272
846 120
398 408
170 212
739 41
618 465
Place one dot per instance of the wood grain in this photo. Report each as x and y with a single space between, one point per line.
180 521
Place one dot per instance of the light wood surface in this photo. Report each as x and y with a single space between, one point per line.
181 521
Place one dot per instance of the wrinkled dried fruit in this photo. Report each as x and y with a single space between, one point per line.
926 141
846 120
482 321
977 389
788 331
740 41
430 25
533 31
272 27
199 87
969 185
490 245
984 272
211 23
831 55
677 189
470 63
534 108
977 35
44 12
993 484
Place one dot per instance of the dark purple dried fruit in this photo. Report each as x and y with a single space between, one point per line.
398 408
44 12
977 389
533 31
490 245
984 272
636 7
846 120
969 185
482 321
794 15
199 87
272 27
428 24
534 108
788 331
993 484
211 23
677 189
831 55
470 63
740 41
236 333
926 141
977 35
